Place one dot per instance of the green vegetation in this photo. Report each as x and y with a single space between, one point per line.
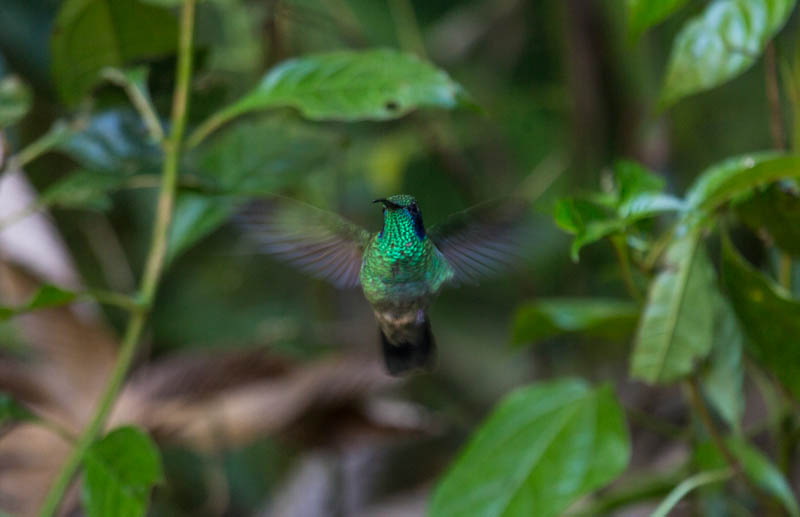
644 356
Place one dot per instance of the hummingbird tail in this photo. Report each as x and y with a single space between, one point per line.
410 354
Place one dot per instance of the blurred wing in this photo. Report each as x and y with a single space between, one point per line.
317 242
482 240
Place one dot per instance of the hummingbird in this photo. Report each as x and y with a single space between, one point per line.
401 269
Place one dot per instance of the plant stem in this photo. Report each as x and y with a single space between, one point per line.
773 98
689 484
785 271
54 136
153 269
697 403
625 266
140 100
641 490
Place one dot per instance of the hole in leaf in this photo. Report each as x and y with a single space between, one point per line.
392 106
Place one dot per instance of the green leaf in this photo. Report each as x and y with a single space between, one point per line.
46 297
648 204
13 411
246 159
593 317
643 14
90 35
349 85
723 375
15 100
721 43
676 327
49 296
120 471
687 485
636 196
633 179
588 221
769 317
775 210
543 447
83 189
755 465
736 177
134 81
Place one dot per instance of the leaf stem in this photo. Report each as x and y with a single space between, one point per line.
699 406
140 100
54 136
153 269
689 484
625 266
773 98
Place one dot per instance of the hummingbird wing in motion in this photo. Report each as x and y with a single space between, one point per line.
482 240
320 243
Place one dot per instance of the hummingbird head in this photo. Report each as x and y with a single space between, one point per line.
401 211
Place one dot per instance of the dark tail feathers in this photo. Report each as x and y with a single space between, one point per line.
401 358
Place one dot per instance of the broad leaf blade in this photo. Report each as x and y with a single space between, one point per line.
90 35
83 189
735 177
250 158
723 375
120 470
770 318
643 14
604 319
775 210
379 84
542 447
676 327
721 43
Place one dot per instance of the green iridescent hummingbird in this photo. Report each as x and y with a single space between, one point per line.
401 269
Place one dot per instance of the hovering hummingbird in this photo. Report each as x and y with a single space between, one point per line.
401 269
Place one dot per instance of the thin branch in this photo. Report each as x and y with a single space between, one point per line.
774 98
625 267
140 100
153 269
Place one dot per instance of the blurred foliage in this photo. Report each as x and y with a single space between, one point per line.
651 131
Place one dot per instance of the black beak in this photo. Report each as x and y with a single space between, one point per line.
387 204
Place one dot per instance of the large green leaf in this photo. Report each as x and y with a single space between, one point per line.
45 297
775 210
723 375
90 35
593 317
676 327
83 189
755 465
15 100
246 159
542 447
735 177
643 14
769 316
377 84
119 472
115 141
721 43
